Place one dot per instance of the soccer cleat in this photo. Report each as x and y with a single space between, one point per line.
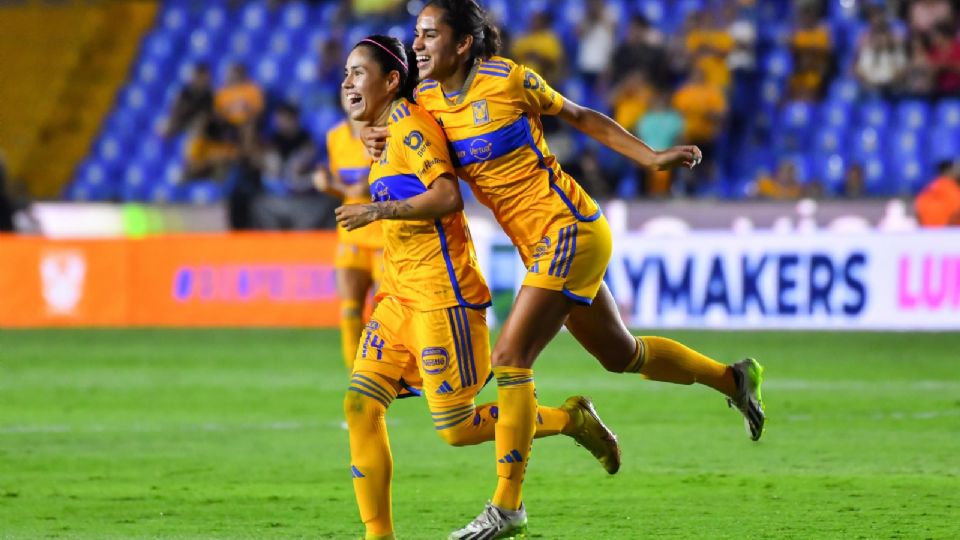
591 433
748 375
494 523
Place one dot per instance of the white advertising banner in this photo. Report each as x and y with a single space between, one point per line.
821 280
874 280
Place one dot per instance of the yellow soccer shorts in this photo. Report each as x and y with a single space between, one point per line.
445 353
572 259
367 259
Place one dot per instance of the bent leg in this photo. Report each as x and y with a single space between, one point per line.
480 422
371 463
601 331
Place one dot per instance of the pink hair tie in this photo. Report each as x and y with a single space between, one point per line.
395 57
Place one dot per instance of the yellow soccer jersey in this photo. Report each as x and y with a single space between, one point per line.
350 163
497 138
428 264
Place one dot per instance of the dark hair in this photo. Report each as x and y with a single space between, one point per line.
467 18
289 108
390 53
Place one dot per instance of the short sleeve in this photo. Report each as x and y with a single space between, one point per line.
538 96
424 147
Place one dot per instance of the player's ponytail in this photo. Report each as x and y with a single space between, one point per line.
467 18
390 53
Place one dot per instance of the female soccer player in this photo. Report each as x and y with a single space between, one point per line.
428 330
490 110
359 258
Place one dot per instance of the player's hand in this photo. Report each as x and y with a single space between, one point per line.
678 156
375 140
355 216
321 179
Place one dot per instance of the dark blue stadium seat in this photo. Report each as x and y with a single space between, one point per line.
908 174
793 126
829 139
913 114
875 113
947 113
877 181
836 113
944 143
831 169
843 89
867 142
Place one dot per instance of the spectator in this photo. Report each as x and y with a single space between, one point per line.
811 47
212 151
782 185
918 75
945 59
291 202
880 59
240 102
708 43
596 33
324 91
643 50
630 99
704 108
854 182
540 48
661 127
290 152
924 15
938 205
194 103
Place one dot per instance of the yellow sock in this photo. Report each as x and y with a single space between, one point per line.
515 427
351 325
663 359
371 463
477 425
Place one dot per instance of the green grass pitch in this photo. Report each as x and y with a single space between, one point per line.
237 434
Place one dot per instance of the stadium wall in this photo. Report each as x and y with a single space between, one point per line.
724 280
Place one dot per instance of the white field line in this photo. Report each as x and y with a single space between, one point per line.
159 428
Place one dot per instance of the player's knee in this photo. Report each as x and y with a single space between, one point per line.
358 408
510 356
455 436
351 309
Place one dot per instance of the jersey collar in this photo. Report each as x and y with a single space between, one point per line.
460 96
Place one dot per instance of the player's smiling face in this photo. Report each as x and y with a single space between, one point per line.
366 90
438 53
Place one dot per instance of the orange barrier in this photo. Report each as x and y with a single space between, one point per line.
250 279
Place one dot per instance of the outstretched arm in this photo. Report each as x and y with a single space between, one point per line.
441 198
602 128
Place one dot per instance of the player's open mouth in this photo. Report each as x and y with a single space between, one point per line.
422 60
354 100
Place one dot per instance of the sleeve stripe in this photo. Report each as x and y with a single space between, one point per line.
494 73
496 63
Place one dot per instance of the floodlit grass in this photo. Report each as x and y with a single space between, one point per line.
237 434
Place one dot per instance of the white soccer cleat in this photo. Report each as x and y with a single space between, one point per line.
494 523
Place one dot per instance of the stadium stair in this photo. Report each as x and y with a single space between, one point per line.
84 51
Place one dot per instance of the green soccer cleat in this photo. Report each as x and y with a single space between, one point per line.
748 375
494 523
590 432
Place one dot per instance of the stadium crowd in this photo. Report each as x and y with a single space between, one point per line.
787 99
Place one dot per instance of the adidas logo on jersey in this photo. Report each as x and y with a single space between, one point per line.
445 388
